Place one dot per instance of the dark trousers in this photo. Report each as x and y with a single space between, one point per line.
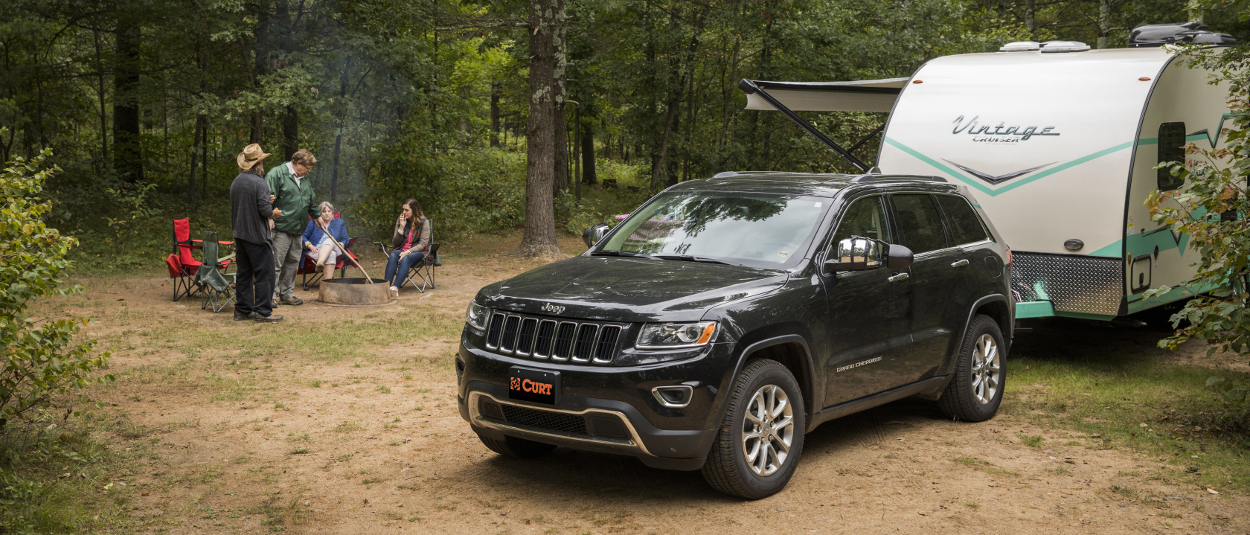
253 284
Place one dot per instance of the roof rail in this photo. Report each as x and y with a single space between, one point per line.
895 178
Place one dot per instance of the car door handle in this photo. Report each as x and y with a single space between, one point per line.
960 263
898 277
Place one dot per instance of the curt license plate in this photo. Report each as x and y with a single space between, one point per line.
533 385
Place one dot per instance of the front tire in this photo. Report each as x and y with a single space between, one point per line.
517 448
760 440
976 391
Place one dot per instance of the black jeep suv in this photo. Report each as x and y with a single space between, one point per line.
728 316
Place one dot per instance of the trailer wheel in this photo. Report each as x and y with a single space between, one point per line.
980 373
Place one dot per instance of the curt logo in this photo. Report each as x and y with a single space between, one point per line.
548 307
533 387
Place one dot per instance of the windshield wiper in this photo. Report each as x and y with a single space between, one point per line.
618 253
692 258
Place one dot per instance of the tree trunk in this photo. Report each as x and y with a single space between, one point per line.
540 229
195 155
127 153
588 155
1104 22
494 113
101 93
560 120
577 146
657 162
204 158
1030 9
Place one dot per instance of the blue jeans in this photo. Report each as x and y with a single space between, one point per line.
397 268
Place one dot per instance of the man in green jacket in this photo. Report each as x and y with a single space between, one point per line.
293 194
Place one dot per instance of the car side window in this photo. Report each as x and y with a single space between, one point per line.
865 217
962 223
920 226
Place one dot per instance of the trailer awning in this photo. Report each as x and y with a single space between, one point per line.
859 95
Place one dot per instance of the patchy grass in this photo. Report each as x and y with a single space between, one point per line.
1119 396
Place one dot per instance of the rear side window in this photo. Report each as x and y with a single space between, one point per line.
866 219
920 226
1171 149
962 223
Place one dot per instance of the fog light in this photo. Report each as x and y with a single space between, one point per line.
673 396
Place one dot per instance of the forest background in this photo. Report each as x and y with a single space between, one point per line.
145 103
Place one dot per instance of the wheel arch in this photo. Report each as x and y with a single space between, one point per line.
790 350
997 308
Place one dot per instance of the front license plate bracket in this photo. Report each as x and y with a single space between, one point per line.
537 386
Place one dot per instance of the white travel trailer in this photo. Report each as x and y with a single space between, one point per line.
1060 143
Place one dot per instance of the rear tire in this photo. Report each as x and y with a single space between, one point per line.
517 448
759 442
976 390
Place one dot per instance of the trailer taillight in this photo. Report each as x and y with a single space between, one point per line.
1008 257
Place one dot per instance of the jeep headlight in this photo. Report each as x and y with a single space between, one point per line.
675 335
478 316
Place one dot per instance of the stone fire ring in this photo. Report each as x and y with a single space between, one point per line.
355 292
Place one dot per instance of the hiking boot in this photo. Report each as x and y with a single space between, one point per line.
267 319
248 316
293 301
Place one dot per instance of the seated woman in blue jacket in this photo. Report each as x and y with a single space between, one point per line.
318 246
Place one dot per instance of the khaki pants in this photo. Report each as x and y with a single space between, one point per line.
286 252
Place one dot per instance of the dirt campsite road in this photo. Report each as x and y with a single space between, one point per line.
344 420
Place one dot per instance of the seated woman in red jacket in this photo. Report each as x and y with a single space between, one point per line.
411 241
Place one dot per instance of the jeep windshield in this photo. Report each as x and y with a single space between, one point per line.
753 229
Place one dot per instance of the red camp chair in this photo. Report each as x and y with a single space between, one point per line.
186 264
183 276
182 239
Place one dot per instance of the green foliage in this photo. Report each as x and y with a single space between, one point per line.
41 360
1235 392
1213 211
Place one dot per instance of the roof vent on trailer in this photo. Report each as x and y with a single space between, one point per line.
1063 46
1048 46
1020 46
1177 33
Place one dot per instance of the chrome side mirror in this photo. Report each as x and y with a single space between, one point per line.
855 254
593 234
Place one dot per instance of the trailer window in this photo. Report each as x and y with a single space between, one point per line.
962 224
1171 149
919 224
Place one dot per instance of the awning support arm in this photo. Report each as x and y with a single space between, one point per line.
749 88
865 139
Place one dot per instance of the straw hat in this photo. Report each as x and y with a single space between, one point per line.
250 155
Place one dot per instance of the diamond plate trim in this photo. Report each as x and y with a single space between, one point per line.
1082 284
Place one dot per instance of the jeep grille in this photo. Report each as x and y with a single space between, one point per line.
551 339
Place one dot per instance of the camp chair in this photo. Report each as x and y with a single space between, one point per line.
309 275
184 276
218 293
182 239
423 270
308 269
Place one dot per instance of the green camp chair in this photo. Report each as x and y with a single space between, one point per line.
218 292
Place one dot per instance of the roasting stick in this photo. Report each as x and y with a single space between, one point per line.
345 253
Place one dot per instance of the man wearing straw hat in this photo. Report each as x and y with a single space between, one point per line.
250 210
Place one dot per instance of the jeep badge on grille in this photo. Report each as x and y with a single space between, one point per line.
548 307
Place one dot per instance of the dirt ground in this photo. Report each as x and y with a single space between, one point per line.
376 445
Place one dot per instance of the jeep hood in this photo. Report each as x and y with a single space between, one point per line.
628 289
